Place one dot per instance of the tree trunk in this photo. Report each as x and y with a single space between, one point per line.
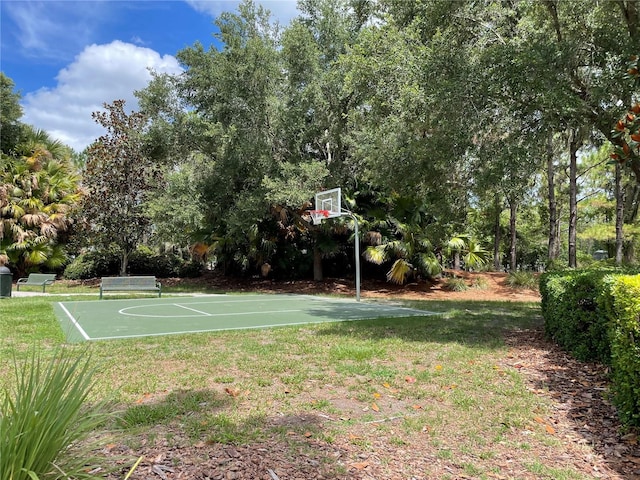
574 144
124 263
619 192
554 230
318 276
631 201
456 260
497 261
513 210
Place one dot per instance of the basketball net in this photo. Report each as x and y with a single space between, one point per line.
318 215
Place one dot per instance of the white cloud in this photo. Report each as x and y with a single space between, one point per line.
281 10
99 74
52 29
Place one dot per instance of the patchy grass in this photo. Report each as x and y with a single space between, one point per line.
422 396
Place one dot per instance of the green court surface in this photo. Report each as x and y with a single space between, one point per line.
120 319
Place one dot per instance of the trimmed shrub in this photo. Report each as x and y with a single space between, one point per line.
572 315
622 303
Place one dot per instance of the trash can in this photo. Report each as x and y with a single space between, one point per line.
6 277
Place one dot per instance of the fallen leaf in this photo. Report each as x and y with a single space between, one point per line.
354 437
386 385
409 379
359 465
550 429
308 434
376 395
417 407
375 407
438 367
234 392
539 420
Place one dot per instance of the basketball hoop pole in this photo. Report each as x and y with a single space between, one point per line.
357 253
329 203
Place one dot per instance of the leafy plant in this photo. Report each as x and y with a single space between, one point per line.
622 306
480 283
522 279
44 416
465 248
456 284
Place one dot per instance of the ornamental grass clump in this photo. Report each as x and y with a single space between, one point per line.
44 416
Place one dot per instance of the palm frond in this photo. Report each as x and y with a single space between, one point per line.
398 247
429 264
376 254
399 271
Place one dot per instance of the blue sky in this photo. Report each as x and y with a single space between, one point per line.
68 57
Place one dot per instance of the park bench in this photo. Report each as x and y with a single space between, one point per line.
39 279
130 284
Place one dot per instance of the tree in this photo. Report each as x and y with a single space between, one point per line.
118 178
466 249
39 191
10 113
399 236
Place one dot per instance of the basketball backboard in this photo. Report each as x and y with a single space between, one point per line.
329 200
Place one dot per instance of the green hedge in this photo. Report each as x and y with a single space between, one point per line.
622 302
572 315
595 315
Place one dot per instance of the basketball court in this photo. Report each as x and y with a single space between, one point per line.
132 318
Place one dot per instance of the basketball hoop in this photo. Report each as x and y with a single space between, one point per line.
318 215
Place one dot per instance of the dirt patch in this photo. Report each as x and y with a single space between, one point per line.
486 286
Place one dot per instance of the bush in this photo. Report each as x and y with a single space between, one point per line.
622 304
522 280
480 283
572 315
94 264
455 285
44 416
143 261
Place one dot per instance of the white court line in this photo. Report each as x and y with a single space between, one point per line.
188 308
222 329
75 323
205 314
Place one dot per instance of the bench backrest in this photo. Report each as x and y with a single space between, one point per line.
129 282
41 277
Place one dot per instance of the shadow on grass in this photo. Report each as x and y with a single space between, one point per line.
198 432
475 324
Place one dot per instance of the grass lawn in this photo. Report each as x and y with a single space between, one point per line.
422 397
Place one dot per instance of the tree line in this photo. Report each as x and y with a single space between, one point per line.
461 133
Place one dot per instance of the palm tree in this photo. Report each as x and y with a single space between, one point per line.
465 248
38 191
399 236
